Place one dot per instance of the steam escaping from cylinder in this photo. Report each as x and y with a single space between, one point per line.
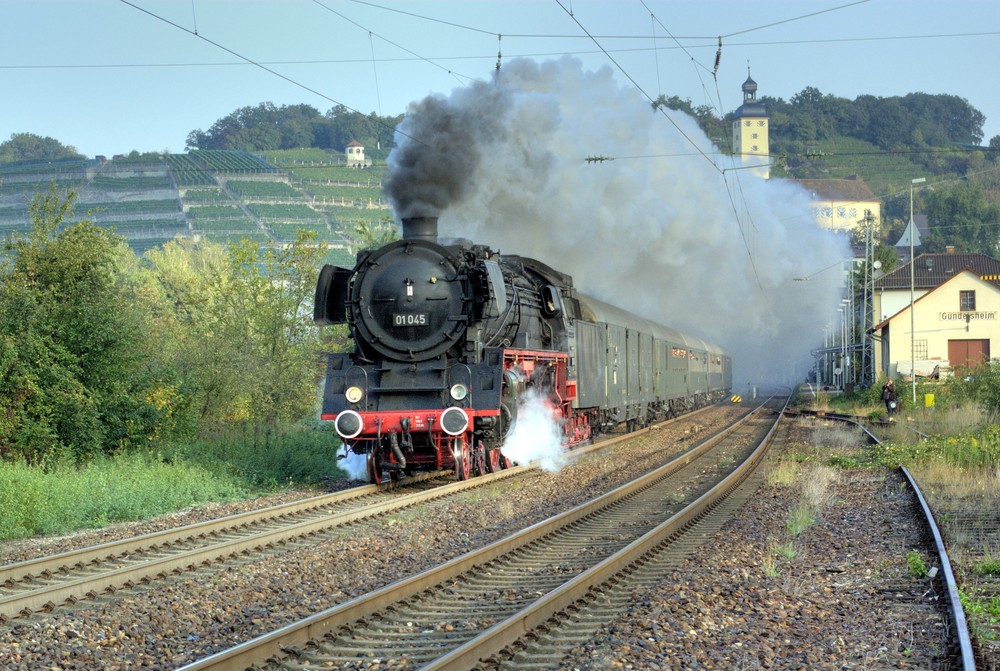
645 212
536 435
356 466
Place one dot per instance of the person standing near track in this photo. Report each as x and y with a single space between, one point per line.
891 398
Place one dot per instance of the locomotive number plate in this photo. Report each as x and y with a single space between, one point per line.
409 319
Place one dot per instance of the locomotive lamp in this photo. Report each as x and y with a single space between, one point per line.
454 421
349 424
459 391
353 394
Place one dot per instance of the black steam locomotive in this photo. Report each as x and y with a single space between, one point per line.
449 339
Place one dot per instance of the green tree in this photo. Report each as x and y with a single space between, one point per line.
674 103
372 235
278 344
29 147
74 346
960 216
182 274
994 149
247 354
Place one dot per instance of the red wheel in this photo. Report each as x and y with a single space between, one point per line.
493 460
374 468
479 460
463 460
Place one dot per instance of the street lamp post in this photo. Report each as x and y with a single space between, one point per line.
913 319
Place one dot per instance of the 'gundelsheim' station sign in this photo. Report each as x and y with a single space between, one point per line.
967 316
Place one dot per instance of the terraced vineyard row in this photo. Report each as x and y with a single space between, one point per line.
219 195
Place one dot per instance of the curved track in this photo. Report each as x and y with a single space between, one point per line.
959 624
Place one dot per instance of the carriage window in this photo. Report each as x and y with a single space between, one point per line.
967 300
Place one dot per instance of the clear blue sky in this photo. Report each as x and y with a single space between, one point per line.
107 77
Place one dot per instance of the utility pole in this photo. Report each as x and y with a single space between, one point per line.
868 303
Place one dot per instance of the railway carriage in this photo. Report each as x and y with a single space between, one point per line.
449 339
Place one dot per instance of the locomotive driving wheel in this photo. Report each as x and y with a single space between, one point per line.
493 458
463 460
374 468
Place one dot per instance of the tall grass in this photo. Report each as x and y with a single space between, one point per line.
33 501
299 455
972 451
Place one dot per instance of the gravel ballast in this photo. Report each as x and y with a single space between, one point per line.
845 599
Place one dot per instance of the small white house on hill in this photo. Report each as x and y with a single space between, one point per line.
354 154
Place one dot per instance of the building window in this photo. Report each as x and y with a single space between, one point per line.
761 123
920 349
753 135
967 301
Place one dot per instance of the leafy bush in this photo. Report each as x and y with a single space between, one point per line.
988 567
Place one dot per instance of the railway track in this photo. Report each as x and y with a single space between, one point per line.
966 658
485 604
45 583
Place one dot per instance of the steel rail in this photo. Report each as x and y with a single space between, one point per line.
126 576
116 553
298 635
503 634
959 621
951 585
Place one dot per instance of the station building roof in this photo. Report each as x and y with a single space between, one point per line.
933 270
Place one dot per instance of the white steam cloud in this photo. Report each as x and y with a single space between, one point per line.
356 465
536 435
659 230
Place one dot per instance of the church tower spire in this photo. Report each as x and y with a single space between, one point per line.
750 129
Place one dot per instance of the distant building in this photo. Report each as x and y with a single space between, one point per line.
750 130
840 204
354 154
956 314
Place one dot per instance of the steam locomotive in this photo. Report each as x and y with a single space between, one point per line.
450 338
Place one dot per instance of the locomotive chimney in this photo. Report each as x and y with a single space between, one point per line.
420 228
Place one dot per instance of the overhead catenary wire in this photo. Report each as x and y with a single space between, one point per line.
251 61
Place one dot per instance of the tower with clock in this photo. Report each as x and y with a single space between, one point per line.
750 130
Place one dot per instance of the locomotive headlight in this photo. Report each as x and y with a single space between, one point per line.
349 424
459 391
454 421
353 394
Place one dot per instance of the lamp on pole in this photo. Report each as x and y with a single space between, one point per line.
913 319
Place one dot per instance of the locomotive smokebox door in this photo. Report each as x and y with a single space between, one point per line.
408 300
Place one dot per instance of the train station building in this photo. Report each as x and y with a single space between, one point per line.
951 322
947 318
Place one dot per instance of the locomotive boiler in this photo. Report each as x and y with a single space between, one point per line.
449 339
